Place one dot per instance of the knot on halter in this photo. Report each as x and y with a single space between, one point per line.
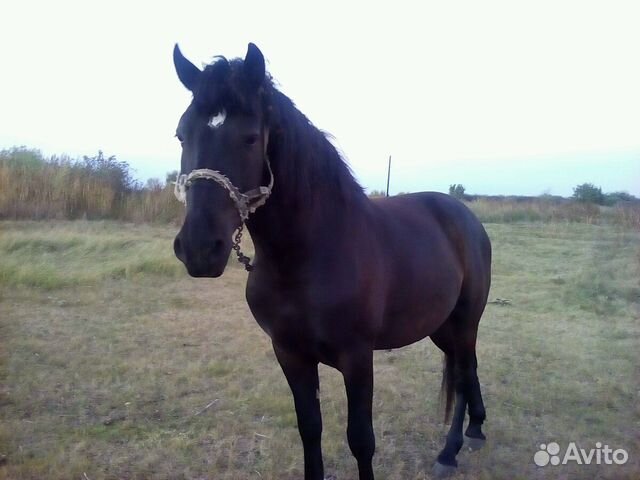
246 202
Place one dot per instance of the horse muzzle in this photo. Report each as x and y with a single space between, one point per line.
204 258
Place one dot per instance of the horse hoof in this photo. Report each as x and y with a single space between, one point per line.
474 444
442 471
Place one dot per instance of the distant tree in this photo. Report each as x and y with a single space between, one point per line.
21 157
153 184
457 190
171 177
614 197
115 173
545 195
588 193
377 193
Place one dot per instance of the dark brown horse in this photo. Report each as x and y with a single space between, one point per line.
336 275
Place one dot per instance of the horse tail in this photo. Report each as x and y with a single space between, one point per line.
448 385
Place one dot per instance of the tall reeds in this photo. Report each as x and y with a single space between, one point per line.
100 187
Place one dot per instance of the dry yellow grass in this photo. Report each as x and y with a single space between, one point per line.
156 375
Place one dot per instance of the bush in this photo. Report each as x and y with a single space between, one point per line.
457 190
588 193
613 198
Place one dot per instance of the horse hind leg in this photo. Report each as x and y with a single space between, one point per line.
446 462
475 439
457 338
465 325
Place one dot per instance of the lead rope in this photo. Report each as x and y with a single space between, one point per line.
246 203
242 258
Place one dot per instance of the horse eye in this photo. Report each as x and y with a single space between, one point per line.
251 139
179 137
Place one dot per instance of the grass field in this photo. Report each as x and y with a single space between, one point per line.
115 364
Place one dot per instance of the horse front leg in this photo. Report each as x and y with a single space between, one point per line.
302 376
357 370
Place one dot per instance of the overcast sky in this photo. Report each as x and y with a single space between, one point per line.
503 97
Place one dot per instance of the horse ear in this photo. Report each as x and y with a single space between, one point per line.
254 66
187 72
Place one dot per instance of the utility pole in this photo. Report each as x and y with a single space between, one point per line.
388 175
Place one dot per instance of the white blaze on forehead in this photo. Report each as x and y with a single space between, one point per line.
218 119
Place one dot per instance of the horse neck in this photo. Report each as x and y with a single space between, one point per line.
295 226
298 216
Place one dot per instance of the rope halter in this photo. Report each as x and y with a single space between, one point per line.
246 203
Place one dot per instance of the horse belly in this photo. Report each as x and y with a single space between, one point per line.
417 309
404 329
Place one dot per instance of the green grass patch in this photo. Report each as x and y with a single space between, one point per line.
61 254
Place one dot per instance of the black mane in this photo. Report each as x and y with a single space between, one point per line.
306 165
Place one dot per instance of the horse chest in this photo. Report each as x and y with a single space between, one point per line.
297 321
274 306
